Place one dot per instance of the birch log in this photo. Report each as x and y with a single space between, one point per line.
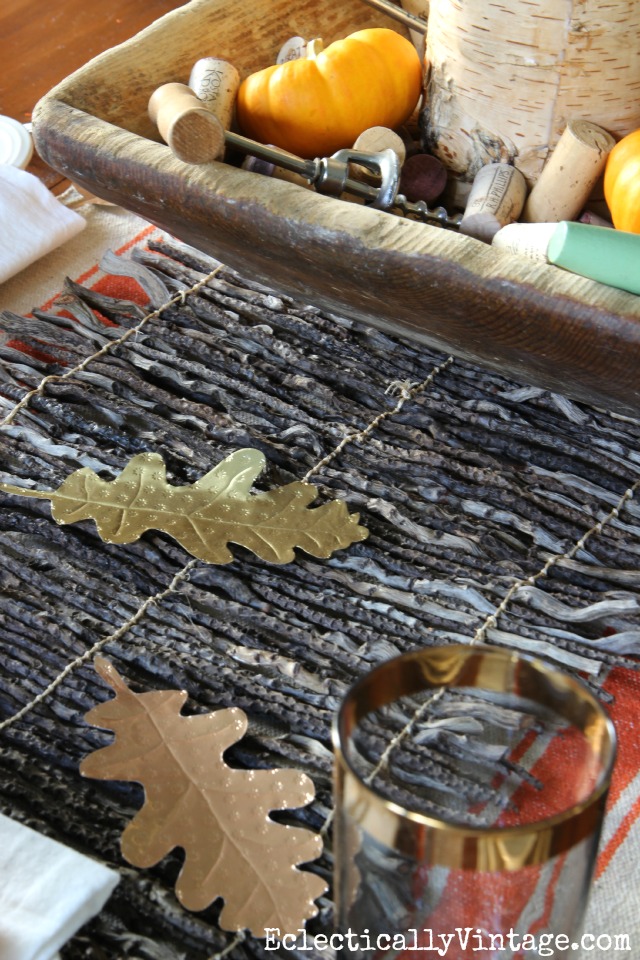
506 78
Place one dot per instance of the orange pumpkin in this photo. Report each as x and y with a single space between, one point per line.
319 104
622 183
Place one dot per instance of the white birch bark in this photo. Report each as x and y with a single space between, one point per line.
505 78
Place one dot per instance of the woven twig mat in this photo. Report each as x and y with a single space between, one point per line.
496 512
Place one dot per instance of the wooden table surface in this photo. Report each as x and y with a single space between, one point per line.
43 42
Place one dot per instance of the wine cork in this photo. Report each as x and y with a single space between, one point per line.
267 169
529 240
456 194
295 48
496 199
411 143
373 140
590 216
570 174
423 177
193 132
215 82
258 165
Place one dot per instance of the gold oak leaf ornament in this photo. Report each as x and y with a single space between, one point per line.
218 815
206 515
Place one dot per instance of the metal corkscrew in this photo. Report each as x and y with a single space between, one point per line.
332 176
196 134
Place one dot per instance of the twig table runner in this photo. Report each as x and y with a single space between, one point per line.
497 513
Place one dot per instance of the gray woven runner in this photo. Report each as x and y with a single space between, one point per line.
475 483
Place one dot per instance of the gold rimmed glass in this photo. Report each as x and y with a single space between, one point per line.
470 788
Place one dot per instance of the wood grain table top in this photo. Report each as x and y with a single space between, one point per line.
41 43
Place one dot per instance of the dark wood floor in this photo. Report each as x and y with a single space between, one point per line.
42 42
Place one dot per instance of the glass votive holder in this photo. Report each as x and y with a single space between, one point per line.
470 788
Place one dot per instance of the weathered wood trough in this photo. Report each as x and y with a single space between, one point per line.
530 321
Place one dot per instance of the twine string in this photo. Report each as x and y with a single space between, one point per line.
155 598
407 392
492 620
239 938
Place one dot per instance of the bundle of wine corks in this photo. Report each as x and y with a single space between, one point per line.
500 196
192 119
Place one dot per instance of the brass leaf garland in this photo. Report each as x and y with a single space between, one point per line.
218 815
207 515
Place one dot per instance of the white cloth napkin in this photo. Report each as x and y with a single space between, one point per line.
32 221
47 892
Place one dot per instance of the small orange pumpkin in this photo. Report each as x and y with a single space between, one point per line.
622 183
322 103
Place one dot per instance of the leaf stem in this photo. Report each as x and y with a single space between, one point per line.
26 492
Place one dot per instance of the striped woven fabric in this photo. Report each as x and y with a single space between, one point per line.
470 485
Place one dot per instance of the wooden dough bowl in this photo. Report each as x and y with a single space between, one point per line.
532 322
